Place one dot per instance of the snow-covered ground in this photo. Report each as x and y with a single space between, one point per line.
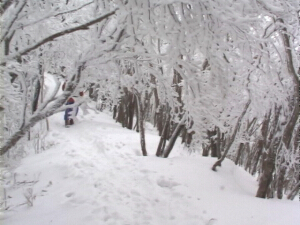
94 174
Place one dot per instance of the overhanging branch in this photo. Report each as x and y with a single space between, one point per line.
56 35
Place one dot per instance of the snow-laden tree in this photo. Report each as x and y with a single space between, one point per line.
252 44
225 71
32 35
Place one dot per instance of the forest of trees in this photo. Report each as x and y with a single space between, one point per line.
221 76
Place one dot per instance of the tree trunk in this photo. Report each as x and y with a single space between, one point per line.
115 112
174 137
232 138
268 161
239 153
258 152
214 150
43 113
280 182
141 123
218 142
163 138
294 192
160 115
131 112
205 150
249 156
120 115
265 180
136 126
261 143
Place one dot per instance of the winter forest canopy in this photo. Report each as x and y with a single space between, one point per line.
221 76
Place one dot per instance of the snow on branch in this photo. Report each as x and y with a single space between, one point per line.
57 14
58 34
14 18
43 112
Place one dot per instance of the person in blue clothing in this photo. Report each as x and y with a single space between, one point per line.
69 113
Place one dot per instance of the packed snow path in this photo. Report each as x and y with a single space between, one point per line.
94 174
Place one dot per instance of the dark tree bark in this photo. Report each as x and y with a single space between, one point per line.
258 152
163 138
218 142
36 96
247 155
232 138
268 166
261 143
160 118
294 191
268 160
136 126
131 107
280 182
141 122
165 131
120 115
213 148
205 150
115 112
173 138
239 153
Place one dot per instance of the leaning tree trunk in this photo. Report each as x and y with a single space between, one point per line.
232 138
174 137
294 191
36 96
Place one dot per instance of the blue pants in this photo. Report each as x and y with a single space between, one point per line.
68 112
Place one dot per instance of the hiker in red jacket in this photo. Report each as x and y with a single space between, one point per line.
69 113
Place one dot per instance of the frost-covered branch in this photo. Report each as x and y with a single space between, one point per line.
56 35
5 5
232 137
51 14
43 113
19 9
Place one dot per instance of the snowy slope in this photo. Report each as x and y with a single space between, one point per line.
94 174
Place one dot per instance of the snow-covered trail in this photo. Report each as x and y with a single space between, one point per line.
94 174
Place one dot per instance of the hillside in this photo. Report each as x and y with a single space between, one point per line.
93 173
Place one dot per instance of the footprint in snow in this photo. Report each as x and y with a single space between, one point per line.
162 182
212 221
137 152
70 194
135 193
55 134
145 171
